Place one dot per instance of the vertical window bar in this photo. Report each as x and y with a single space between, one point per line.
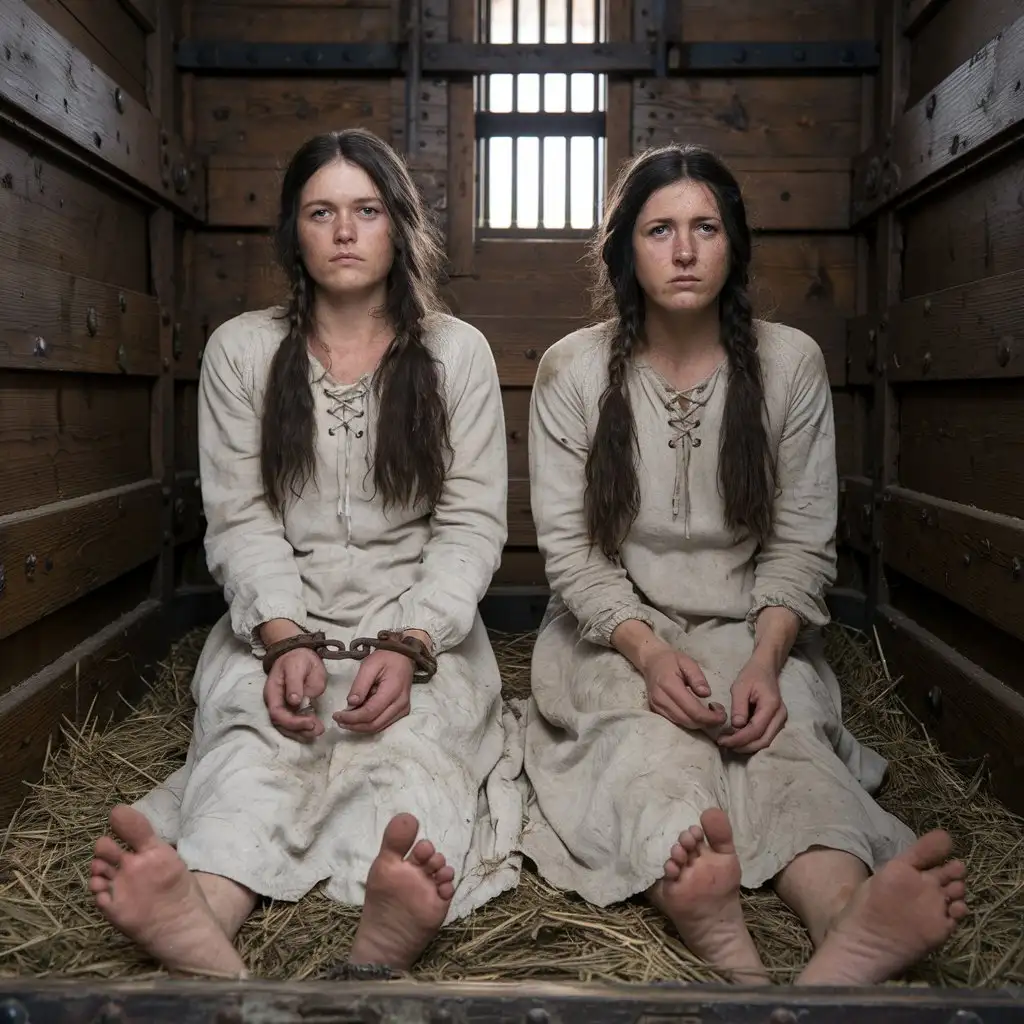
543 27
515 183
540 179
597 179
568 21
568 179
515 21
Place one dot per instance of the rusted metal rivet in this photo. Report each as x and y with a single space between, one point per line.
13 1012
531 353
119 100
1015 567
782 1016
1004 352
39 347
967 558
935 700
181 178
30 566
122 302
92 321
926 362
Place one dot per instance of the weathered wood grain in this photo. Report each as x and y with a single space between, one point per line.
796 194
186 426
64 436
916 12
769 21
55 321
270 116
970 230
972 715
88 681
516 405
954 32
760 117
57 553
521 531
972 557
518 342
370 21
52 216
45 77
812 275
145 13
965 442
975 106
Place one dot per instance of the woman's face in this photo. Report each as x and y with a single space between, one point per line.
680 248
344 230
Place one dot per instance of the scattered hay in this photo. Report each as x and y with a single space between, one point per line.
48 924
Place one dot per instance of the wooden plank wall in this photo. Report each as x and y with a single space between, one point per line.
93 174
940 512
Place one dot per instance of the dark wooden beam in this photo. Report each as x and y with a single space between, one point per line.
916 13
972 715
145 12
968 114
48 80
57 553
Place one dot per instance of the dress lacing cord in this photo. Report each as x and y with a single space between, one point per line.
348 408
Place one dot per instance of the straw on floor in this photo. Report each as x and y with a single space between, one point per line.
48 925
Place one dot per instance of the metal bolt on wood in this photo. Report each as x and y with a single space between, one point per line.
1015 567
39 347
782 1016
119 100
538 1015
122 302
30 566
92 321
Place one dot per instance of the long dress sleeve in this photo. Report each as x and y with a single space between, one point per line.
246 548
596 591
797 562
469 525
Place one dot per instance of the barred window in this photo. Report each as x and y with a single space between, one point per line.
540 137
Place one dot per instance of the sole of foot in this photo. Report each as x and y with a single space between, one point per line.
148 894
910 908
408 890
700 893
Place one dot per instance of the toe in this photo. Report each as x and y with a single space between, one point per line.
446 891
422 851
98 884
953 871
679 854
717 830
107 850
954 890
434 864
102 869
958 910
399 835
929 851
132 828
672 870
446 874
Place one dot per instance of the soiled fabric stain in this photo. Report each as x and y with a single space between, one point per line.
279 816
613 783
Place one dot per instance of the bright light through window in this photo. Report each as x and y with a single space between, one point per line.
541 145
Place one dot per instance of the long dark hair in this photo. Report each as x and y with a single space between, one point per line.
412 432
745 465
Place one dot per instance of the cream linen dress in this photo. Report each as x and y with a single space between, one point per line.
614 783
271 813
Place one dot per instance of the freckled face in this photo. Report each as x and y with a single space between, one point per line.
344 230
680 248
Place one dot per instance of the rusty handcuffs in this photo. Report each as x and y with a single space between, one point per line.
335 650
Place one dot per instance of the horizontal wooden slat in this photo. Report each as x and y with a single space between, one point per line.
274 116
243 191
521 567
969 332
972 715
89 679
964 441
55 218
765 21
521 531
916 12
850 422
516 406
65 436
56 554
49 80
795 194
973 107
972 557
518 342
186 427
369 21
971 230
55 321
751 116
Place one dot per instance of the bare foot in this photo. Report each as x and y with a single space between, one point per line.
148 894
895 918
406 899
701 894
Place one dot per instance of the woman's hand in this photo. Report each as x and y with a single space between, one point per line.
675 684
756 688
380 693
296 675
